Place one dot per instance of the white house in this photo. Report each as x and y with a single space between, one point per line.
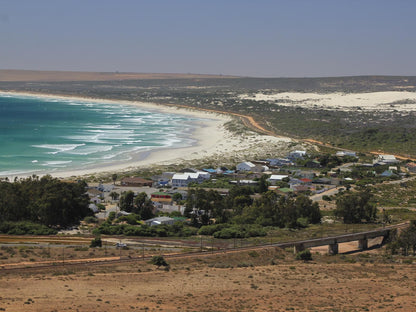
260 168
277 178
245 166
159 221
346 153
387 159
183 179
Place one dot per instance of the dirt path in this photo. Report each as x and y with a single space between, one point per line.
395 155
54 262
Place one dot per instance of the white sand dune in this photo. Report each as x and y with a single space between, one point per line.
380 101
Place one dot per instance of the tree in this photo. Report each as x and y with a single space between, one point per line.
140 200
282 211
329 161
114 195
240 202
407 239
111 216
47 200
263 184
177 197
308 209
114 178
355 207
127 201
143 206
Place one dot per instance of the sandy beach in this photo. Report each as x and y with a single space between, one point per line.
213 140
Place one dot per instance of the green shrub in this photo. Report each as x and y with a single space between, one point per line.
90 219
226 231
302 222
326 197
159 261
304 255
96 242
178 230
25 227
211 229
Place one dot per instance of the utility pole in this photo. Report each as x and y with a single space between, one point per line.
120 248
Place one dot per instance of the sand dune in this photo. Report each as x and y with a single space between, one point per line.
381 101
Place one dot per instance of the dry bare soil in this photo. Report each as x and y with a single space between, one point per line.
267 280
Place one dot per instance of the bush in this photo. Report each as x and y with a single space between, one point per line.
111 216
96 242
132 219
211 229
326 197
302 222
25 227
226 231
178 229
90 219
304 255
159 261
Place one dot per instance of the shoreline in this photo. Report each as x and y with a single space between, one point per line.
211 139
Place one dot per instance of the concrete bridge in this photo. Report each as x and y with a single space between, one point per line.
332 242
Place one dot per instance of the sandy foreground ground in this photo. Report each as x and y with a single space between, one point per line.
374 101
213 140
297 286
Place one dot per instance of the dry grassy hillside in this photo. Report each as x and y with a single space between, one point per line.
269 280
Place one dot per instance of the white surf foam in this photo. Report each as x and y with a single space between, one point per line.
88 150
59 148
57 163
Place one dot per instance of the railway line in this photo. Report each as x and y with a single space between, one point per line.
33 267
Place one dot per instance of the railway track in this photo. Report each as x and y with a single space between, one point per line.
195 254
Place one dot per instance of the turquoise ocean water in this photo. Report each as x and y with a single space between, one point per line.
48 136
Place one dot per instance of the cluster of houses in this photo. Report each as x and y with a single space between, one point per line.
284 177
189 175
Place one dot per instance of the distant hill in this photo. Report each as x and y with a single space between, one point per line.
67 81
37 75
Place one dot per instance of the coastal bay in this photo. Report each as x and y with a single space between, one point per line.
198 135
